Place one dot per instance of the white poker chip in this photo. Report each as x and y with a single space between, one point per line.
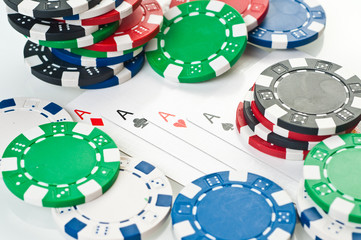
318 224
20 114
139 201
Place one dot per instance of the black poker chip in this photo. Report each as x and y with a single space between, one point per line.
309 96
45 66
47 30
50 8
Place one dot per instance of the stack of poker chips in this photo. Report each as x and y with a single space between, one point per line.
328 201
297 103
88 44
76 171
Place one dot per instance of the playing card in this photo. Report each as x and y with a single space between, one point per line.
87 116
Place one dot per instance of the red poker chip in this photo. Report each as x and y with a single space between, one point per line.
136 30
126 8
174 3
263 146
252 11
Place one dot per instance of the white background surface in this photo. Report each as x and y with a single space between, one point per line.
339 43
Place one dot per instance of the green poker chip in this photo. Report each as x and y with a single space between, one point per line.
103 32
332 176
95 54
198 41
60 164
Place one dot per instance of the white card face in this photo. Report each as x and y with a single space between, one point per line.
186 130
217 120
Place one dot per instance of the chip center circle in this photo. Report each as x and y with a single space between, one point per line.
60 160
124 200
344 172
311 92
285 16
186 39
235 209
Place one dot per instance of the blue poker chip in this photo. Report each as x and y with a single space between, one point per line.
131 68
233 205
318 224
289 24
93 62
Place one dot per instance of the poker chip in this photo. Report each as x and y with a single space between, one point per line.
281 131
95 54
289 24
218 205
101 8
317 223
252 11
60 164
131 68
126 8
93 62
331 172
263 146
198 41
103 32
309 96
20 114
138 202
268 135
135 30
310 234
174 3
45 66
50 8
47 30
